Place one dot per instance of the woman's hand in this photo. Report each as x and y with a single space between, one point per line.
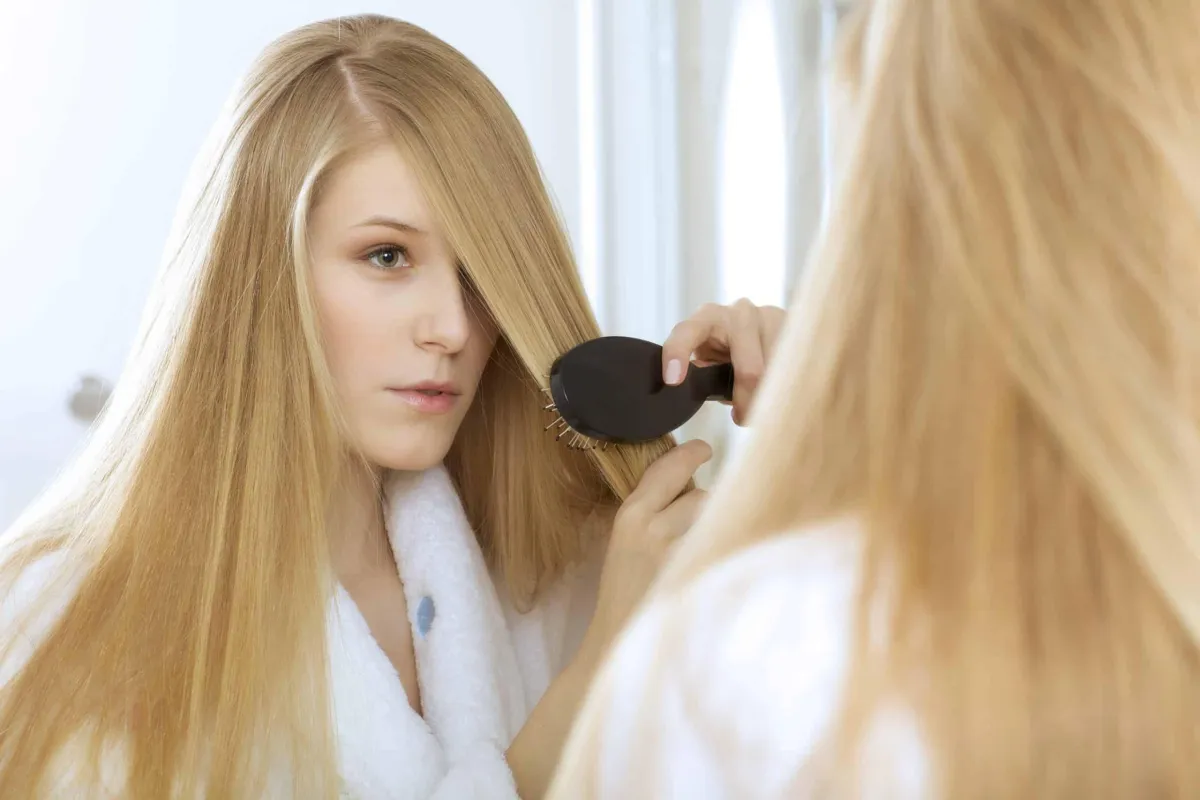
650 520
742 333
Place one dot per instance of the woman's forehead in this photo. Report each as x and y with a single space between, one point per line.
377 184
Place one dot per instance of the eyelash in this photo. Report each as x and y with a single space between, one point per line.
402 250
464 277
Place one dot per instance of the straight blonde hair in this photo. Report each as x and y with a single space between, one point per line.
191 531
993 366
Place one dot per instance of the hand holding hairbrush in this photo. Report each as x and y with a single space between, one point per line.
611 390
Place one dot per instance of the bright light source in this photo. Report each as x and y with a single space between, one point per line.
753 165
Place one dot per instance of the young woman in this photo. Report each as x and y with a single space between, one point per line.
961 555
259 579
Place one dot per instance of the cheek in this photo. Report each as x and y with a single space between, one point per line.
348 324
479 349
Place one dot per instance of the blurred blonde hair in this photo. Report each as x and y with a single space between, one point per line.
993 365
192 528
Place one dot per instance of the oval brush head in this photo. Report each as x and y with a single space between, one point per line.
611 389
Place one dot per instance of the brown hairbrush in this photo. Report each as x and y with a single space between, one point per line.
611 390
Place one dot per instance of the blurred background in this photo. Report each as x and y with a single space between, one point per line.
684 140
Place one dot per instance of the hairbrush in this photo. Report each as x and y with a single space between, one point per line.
611 390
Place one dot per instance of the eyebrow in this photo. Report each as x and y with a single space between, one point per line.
389 222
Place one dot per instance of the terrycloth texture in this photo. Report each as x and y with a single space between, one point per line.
481 665
472 692
729 692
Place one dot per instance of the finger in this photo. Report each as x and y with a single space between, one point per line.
745 351
707 323
677 519
771 319
771 322
766 342
667 477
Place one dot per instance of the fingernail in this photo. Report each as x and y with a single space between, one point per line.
674 371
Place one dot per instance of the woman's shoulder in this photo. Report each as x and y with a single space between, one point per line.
740 673
27 575
35 590
813 564
35 593
778 608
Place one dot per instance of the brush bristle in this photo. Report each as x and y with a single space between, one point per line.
577 441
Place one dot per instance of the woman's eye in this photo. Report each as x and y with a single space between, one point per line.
388 258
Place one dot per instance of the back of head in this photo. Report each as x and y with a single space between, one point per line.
993 365
195 521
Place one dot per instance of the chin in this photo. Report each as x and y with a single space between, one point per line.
412 453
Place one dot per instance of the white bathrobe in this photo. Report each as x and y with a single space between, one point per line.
481 665
730 690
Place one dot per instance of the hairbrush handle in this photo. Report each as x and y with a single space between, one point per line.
713 382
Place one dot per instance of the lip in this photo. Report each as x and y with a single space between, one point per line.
445 387
429 397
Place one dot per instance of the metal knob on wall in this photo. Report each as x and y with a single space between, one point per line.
89 398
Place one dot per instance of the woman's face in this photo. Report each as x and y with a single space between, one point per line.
405 339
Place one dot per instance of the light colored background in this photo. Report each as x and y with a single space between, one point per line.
681 138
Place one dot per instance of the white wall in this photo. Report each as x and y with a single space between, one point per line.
627 102
105 103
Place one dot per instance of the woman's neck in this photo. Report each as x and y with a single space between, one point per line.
358 537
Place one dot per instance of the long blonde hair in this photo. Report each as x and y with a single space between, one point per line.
994 366
191 531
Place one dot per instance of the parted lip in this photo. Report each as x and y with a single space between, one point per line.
428 386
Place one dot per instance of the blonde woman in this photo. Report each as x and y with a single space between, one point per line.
960 557
259 579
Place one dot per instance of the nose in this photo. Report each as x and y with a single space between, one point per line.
443 325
